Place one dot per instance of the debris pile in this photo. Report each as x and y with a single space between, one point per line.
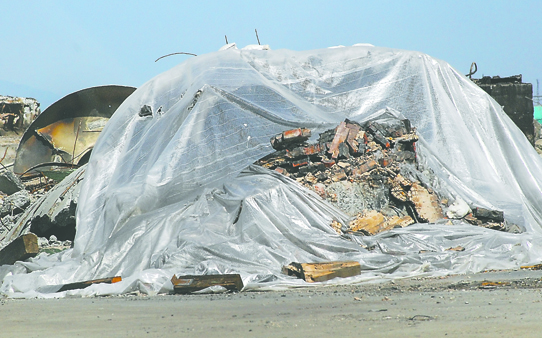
45 207
16 113
370 172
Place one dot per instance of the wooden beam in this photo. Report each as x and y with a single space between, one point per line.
20 249
192 283
320 272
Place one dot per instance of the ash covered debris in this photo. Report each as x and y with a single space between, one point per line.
370 171
16 113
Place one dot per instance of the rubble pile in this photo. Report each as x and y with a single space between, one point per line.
42 206
369 171
17 112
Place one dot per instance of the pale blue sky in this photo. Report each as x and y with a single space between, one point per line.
53 48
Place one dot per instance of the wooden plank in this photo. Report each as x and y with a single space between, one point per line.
532 267
192 283
320 272
85 284
20 249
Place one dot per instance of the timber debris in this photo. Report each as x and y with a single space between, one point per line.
193 283
321 272
22 248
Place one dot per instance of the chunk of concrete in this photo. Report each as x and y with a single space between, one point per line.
458 209
9 182
15 204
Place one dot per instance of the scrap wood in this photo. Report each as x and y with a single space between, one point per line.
85 284
320 272
373 222
192 283
457 248
491 285
20 249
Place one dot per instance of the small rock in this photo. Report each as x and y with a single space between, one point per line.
320 189
42 241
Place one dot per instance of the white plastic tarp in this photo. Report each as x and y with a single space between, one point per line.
175 192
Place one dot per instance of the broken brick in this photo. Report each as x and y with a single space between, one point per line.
338 175
300 162
303 151
320 189
384 142
281 171
384 162
328 163
289 137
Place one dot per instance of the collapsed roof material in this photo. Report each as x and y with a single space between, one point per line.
173 191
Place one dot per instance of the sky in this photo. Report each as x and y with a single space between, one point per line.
53 48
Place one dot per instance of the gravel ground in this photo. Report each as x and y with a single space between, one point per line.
455 306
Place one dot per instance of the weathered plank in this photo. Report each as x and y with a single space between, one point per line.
192 283
85 284
21 248
320 272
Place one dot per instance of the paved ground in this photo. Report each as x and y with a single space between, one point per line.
457 306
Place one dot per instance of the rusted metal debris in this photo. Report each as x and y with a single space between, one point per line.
86 284
67 130
78 285
321 272
380 158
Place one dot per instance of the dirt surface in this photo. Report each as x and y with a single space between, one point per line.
456 306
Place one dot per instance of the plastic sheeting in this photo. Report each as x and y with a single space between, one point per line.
175 192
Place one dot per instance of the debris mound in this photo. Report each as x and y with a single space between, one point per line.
367 171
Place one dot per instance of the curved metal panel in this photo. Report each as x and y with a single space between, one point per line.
67 130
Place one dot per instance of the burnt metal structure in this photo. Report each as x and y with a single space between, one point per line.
515 97
67 130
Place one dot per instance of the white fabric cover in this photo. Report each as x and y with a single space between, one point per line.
175 193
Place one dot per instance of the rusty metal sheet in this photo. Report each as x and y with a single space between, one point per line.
67 130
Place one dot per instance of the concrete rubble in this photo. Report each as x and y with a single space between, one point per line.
371 172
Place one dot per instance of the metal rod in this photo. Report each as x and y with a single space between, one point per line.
161 57
75 142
